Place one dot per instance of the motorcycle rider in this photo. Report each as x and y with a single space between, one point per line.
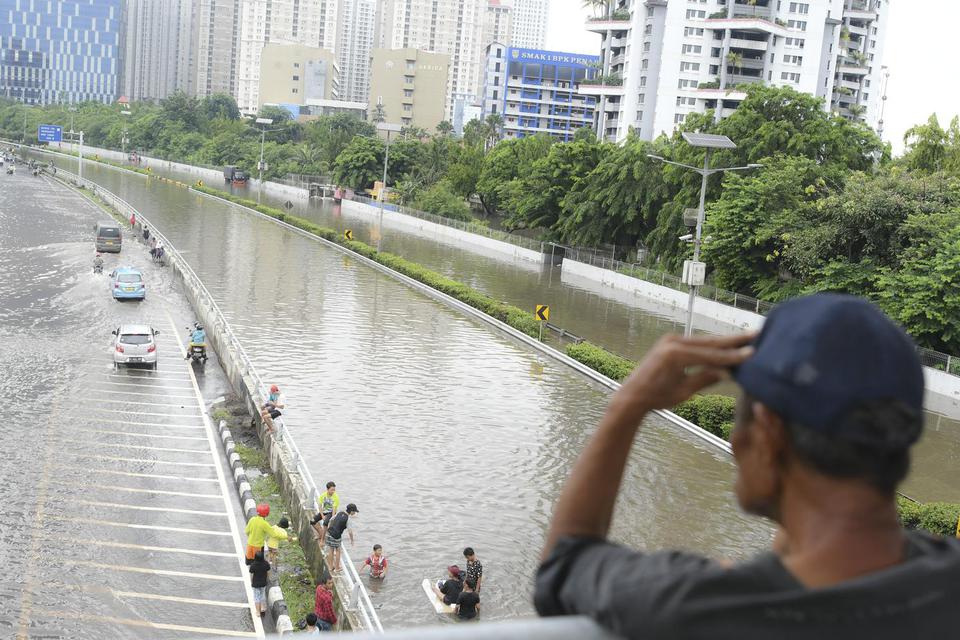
98 263
198 337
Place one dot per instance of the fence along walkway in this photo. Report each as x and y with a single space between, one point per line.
928 357
359 600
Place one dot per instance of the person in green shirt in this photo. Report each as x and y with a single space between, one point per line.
279 534
329 503
257 531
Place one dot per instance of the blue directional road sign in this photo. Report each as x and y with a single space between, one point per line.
49 133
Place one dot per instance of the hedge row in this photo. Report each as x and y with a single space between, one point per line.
714 413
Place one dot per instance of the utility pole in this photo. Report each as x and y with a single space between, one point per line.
382 126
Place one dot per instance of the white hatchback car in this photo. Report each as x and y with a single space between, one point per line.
135 344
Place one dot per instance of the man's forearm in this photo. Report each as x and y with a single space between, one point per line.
585 507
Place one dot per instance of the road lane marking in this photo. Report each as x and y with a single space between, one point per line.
224 489
117 459
145 386
120 505
134 434
153 572
130 446
138 403
130 375
135 393
143 547
152 527
115 472
119 595
133 622
141 413
160 492
150 424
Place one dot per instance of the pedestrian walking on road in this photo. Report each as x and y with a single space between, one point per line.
334 538
474 567
259 569
329 503
323 604
257 531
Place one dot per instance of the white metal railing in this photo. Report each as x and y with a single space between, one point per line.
359 600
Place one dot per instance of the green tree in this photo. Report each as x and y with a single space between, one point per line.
441 200
929 145
505 162
444 128
360 163
219 106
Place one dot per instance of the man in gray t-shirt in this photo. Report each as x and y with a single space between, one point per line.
832 402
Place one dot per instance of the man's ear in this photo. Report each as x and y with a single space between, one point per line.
770 432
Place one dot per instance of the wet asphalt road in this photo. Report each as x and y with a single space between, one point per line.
117 520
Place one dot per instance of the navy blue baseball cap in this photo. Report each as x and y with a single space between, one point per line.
822 356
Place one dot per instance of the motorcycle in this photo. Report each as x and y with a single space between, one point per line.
98 267
196 351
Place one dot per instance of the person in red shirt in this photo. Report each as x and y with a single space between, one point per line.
377 563
323 605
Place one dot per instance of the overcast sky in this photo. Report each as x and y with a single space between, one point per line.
922 50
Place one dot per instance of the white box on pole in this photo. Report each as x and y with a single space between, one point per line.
694 273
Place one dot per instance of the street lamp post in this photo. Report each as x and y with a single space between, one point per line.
694 270
388 128
123 136
262 165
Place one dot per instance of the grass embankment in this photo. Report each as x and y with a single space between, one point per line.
297 584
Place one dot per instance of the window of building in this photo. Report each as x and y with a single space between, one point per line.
648 30
714 69
692 48
495 93
646 47
644 64
790 77
794 42
693 14
296 65
643 81
686 102
406 121
715 52
800 25
411 65
797 60
408 93
692 31
799 7
408 107
295 90
687 84
496 67
678 118
296 78
689 66
641 98
649 12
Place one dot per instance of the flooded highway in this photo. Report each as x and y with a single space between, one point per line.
117 520
444 432
625 324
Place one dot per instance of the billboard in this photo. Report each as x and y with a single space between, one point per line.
49 133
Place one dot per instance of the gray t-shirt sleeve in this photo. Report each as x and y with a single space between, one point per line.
629 592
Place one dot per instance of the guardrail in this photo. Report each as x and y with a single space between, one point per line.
928 357
359 600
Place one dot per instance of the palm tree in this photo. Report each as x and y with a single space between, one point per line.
444 128
857 111
601 8
494 129
735 60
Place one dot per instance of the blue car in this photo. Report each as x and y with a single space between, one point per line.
126 283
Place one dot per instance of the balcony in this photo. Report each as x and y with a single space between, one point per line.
753 45
618 21
851 70
869 15
598 90
618 60
759 25
711 93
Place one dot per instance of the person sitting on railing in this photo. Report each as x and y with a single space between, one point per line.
449 590
323 604
329 503
271 409
831 403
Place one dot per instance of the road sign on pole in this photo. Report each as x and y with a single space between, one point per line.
543 313
49 133
348 234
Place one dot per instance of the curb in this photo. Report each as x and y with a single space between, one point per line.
275 601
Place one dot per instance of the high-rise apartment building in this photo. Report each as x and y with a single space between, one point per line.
355 41
215 49
409 83
665 59
312 23
530 23
497 27
535 91
157 48
65 51
450 27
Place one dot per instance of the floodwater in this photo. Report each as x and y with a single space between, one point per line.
443 431
114 514
621 322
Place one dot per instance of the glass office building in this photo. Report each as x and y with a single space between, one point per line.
60 50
